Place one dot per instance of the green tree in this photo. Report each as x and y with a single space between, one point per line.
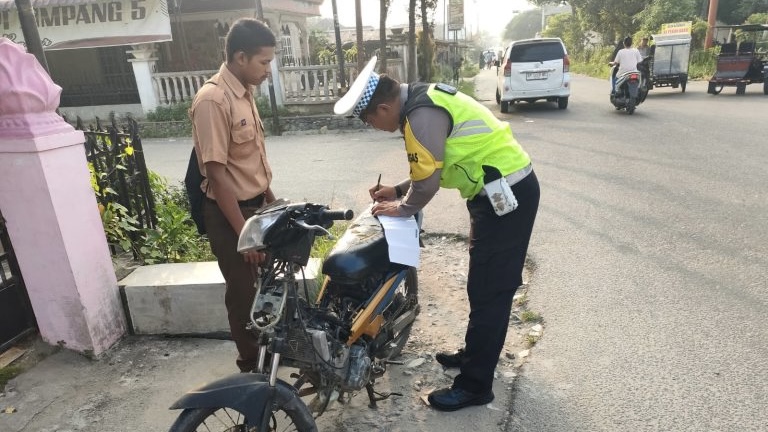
664 11
568 28
737 11
758 18
318 43
524 25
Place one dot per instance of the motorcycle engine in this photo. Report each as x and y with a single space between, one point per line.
359 371
351 365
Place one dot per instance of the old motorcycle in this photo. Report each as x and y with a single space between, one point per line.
338 341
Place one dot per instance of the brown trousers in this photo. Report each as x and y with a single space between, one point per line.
239 279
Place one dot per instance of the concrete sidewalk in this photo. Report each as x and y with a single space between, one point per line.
129 389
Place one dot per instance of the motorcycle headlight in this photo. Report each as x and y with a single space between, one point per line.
255 229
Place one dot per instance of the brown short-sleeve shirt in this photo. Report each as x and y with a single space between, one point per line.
226 128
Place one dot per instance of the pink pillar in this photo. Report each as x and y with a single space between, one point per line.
51 212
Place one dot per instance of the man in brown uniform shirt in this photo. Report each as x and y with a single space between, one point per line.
229 141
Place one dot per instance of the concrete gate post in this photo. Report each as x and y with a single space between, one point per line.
143 63
51 212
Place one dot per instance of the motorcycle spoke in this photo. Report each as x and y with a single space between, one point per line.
228 420
223 420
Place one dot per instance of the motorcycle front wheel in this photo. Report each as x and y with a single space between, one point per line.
229 420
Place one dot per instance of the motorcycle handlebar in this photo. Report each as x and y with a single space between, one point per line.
331 215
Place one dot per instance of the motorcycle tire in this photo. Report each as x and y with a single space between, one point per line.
410 293
631 107
201 419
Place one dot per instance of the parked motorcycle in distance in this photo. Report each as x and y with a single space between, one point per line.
631 87
337 341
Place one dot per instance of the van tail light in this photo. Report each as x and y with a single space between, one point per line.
508 68
566 64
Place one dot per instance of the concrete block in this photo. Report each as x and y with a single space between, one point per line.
176 299
183 298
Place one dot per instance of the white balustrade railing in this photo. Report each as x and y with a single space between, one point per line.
310 84
176 87
299 84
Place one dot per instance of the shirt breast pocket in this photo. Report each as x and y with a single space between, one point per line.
243 134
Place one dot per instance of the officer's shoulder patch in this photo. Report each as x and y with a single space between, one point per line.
446 88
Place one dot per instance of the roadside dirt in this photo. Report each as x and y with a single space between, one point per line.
440 326
133 384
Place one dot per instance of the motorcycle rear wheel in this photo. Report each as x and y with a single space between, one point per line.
410 294
229 420
631 106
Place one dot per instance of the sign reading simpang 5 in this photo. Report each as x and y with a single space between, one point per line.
91 23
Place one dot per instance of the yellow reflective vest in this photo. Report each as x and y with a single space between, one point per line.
476 138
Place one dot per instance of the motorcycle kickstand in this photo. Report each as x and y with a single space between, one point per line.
381 396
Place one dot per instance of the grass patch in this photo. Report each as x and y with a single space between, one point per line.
594 63
530 316
522 300
321 249
467 86
323 244
8 373
531 340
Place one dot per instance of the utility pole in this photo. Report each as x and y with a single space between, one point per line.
339 49
31 35
711 22
272 99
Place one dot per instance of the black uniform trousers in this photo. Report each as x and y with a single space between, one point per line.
239 279
497 249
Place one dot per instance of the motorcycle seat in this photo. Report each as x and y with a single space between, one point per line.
360 252
628 73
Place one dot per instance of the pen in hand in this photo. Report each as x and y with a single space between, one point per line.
378 185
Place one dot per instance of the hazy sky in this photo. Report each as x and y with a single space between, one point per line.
489 15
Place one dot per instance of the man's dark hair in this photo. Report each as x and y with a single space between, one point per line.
248 35
386 90
627 41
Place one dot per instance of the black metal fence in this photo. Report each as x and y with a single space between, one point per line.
120 172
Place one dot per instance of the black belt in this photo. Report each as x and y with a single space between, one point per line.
256 201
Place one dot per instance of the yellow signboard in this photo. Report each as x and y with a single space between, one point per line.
683 27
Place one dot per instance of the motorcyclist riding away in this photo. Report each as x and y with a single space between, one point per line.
627 59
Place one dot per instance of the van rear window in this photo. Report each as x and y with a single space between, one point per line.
536 52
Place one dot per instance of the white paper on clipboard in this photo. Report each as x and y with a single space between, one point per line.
402 234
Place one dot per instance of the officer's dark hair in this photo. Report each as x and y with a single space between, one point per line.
387 90
248 35
627 41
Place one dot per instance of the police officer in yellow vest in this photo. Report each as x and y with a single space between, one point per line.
452 141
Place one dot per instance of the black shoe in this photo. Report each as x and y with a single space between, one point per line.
450 360
452 399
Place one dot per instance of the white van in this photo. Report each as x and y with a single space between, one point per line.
533 69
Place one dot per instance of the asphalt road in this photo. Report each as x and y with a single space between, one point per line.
651 258
649 249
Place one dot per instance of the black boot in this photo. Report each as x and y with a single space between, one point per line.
450 360
452 399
